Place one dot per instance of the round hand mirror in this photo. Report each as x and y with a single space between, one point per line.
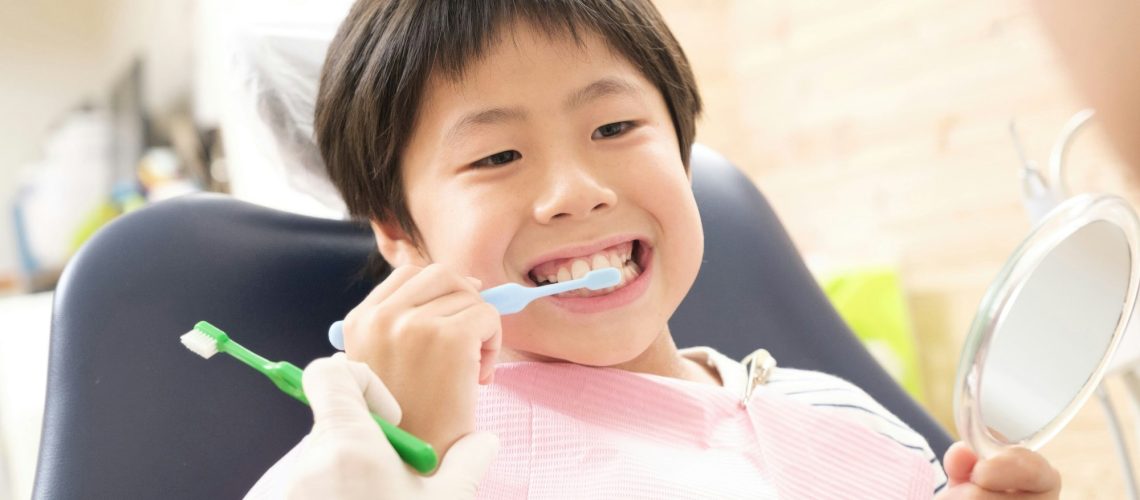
1044 333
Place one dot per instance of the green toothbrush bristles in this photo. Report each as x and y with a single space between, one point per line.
205 340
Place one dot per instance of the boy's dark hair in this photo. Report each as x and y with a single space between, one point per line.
384 52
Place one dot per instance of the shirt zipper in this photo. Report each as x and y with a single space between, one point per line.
759 366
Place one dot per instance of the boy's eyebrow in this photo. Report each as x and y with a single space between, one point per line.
605 87
601 88
485 117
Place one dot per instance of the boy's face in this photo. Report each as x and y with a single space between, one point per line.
545 153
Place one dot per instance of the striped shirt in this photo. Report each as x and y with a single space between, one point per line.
828 393
554 463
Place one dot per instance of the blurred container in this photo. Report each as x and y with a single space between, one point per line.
59 192
871 300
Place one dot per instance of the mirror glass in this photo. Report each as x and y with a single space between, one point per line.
1048 325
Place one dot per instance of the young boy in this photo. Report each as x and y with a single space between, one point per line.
498 141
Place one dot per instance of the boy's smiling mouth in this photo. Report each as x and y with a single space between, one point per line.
627 254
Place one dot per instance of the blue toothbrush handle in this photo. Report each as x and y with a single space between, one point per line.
507 299
511 298
336 335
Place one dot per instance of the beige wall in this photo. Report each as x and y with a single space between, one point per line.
57 53
51 54
878 129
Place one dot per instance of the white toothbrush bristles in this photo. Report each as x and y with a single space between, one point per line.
200 343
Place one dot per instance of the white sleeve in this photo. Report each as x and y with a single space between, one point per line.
833 394
271 486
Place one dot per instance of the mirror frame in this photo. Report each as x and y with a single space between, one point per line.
1060 223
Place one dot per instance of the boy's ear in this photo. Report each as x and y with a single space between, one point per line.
396 246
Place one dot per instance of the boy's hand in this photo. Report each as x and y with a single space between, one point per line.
1013 473
431 338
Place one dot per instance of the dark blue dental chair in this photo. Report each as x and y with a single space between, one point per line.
131 413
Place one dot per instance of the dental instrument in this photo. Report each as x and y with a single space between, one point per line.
510 298
207 340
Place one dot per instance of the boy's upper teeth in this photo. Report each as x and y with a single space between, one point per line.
579 267
567 269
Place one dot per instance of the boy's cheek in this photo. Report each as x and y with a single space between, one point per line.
528 336
516 336
475 248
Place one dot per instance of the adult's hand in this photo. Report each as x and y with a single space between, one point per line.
347 456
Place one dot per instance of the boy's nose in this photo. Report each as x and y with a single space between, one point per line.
573 195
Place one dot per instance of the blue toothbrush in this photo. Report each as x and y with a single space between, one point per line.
511 298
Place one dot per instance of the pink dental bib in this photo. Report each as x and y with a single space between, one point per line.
568 431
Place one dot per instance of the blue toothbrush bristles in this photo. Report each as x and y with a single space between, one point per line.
602 278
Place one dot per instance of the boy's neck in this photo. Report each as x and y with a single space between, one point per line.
661 358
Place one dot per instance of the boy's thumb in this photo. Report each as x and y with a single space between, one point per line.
466 463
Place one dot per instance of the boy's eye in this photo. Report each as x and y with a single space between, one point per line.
612 130
497 159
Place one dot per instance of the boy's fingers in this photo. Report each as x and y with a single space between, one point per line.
450 304
395 279
385 289
429 284
490 340
1016 469
483 320
968 491
959 462
488 354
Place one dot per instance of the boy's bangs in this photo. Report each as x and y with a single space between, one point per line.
471 28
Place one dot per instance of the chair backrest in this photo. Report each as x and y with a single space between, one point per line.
130 413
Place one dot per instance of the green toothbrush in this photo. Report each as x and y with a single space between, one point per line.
207 340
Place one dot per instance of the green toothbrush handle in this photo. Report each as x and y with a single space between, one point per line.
413 450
